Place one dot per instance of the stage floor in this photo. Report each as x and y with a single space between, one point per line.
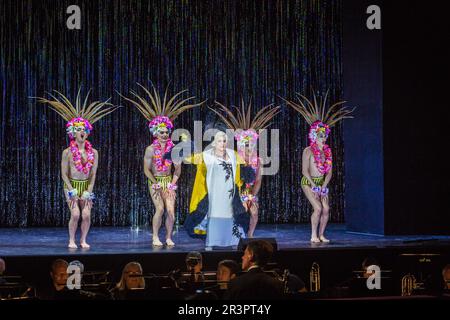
120 240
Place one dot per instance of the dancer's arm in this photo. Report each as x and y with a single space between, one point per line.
147 164
176 173
65 169
93 172
305 166
327 178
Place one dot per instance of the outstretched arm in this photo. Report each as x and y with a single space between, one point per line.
196 158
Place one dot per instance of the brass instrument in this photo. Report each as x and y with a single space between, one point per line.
285 280
15 290
314 277
409 283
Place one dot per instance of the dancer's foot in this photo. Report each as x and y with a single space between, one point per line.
84 245
157 243
72 245
323 239
170 243
249 236
315 240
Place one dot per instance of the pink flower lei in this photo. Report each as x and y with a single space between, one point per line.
81 166
71 129
323 166
158 157
253 161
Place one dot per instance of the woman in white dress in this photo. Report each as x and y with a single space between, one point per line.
216 211
246 128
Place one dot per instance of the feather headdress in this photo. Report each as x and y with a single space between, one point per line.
160 112
243 123
317 115
80 114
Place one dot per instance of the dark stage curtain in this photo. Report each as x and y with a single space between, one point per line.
217 49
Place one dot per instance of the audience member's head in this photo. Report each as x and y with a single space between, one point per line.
194 261
367 262
130 277
226 271
446 276
257 253
2 266
59 274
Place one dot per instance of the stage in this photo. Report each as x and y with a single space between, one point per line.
30 252
111 240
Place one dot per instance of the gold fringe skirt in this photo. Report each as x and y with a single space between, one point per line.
80 185
163 182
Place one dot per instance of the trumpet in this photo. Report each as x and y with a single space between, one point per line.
409 283
314 277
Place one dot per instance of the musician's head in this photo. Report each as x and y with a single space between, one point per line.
226 271
2 266
59 274
257 253
131 277
194 262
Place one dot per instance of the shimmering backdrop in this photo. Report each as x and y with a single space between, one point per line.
217 49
